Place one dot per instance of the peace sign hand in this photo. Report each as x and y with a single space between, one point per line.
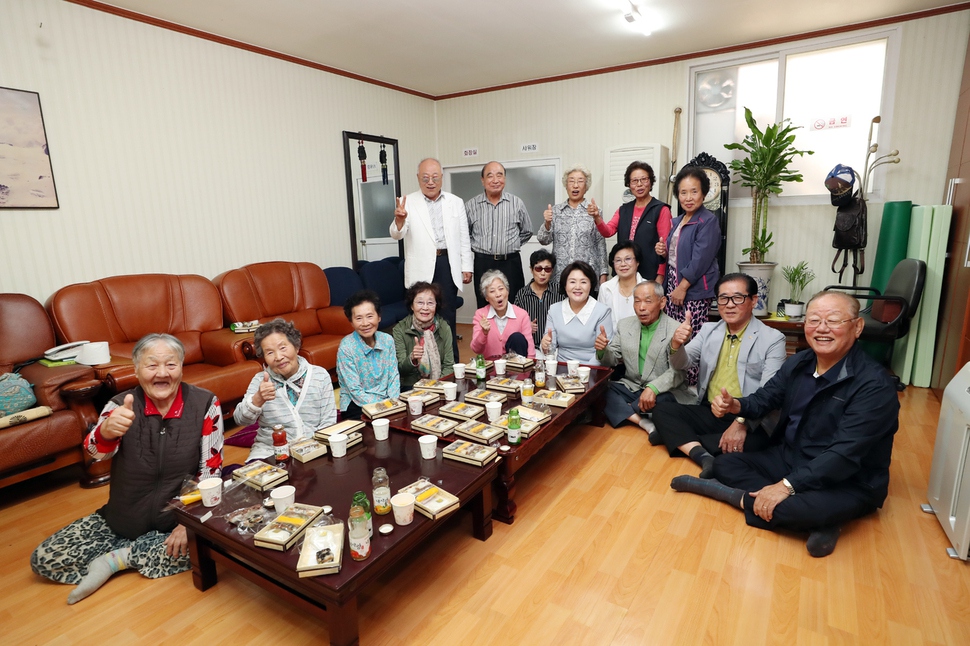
400 212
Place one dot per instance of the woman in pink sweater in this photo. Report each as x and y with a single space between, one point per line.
500 327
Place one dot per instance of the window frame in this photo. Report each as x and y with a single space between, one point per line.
883 135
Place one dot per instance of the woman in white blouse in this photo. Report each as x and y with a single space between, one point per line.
617 292
574 324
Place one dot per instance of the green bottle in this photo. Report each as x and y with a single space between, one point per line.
480 368
515 423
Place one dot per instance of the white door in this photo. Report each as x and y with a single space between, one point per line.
375 208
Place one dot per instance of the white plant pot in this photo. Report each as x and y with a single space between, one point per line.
761 272
793 310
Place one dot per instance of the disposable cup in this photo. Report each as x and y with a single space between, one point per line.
380 428
500 367
550 368
493 410
416 406
429 446
211 490
584 374
283 497
459 371
451 391
572 368
338 445
403 506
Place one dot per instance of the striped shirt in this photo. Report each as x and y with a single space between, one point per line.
497 228
538 308
437 220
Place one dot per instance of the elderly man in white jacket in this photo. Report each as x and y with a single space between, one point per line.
434 228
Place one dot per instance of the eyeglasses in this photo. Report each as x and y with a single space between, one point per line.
543 270
832 324
737 299
424 304
576 182
639 180
430 179
628 260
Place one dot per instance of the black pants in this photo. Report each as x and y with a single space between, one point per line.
621 403
679 424
803 512
447 309
511 267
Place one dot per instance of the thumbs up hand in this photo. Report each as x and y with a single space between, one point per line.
120 419
660 248
601 340
266 392
593 210
547 216
724 403
546 342
682 333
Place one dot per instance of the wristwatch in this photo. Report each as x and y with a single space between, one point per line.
741 420
791 489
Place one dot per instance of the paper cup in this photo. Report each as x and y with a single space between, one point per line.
211 490
416 406
572 367
338 445
500 367
451 391
550 368
584 374
459 371
429 446
283 497
380 427
493 410
403 506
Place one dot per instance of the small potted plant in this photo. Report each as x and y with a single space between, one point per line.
798 278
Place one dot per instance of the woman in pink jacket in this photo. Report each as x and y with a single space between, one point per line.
500 327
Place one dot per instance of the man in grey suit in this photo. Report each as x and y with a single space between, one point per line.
736 355
642 344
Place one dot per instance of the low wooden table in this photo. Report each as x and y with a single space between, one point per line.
518 456
333 481
794 331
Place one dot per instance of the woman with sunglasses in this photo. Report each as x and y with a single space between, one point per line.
644 221
541 292
422 340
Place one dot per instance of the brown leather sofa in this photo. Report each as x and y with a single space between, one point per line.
122 309
39 446
295 291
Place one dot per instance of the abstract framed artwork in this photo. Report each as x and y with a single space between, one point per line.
26 175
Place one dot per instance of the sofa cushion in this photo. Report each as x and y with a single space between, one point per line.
343 281
266 290
25 330
25 444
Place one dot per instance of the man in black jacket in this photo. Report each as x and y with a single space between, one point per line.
158 434
829 458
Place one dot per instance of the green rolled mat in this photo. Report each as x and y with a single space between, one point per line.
919 247
893 238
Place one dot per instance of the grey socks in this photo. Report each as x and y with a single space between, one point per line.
709 488
704 459
99 571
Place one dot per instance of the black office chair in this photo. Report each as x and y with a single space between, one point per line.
889 315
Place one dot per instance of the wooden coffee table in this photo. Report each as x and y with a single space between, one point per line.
333 481
518 456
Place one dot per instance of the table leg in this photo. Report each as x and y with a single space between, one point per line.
203 567
505 492
342 623
482 514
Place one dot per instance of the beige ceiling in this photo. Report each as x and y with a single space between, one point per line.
439 48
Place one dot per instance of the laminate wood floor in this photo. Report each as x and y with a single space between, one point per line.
602 552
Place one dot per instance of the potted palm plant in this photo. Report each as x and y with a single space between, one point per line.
765 167
798 278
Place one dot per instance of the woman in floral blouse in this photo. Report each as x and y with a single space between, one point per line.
571 225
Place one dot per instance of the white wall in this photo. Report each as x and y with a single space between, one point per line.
175 154
580 118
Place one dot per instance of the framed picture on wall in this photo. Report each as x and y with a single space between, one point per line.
26 175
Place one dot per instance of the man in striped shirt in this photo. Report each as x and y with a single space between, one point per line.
541 292
498 225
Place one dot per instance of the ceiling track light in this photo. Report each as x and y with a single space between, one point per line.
633 14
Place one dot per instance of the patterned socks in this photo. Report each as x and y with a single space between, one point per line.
99 571
704 459
821 542
709 488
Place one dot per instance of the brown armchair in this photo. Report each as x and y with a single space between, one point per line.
295 291
122 309
39 446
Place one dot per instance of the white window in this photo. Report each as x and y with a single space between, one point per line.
832 89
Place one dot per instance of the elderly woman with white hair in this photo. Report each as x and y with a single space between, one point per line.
500 327
571 225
